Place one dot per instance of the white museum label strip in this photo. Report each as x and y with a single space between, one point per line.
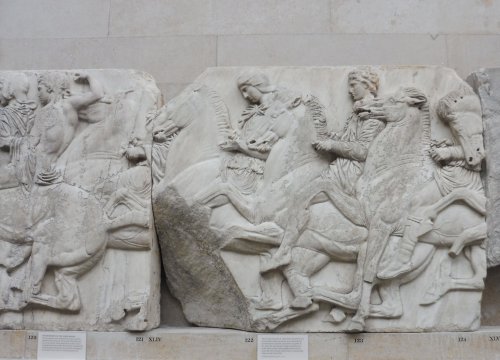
62 345
289 347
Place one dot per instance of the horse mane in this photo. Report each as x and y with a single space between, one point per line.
224 129
426 136
315 112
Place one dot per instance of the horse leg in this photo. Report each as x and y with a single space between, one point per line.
40 255
445 283
296 222
468 237
299 272
349 300
472 198
378 236
245 206
416 225
272 321
391 306
270 299
68 297
348 205
264 233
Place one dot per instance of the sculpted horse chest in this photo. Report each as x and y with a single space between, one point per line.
393 168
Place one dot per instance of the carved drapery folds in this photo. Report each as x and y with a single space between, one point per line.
323 199
76 226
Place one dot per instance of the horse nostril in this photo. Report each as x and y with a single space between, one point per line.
478 149
252 141
470 159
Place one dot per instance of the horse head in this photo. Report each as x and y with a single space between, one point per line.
461 110
405 102
178 113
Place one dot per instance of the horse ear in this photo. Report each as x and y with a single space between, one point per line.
197 87
417 101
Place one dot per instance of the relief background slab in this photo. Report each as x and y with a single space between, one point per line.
96 251
218 282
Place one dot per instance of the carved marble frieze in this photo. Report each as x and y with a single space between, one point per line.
486 83
77 249
323 199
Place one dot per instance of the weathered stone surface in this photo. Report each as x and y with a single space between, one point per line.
323 199
486 83
77 244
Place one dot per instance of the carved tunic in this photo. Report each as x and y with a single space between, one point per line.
456 175
16 122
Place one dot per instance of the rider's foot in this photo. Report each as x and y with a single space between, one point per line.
395 268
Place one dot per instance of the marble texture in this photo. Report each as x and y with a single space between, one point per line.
78 248
323 199
486 82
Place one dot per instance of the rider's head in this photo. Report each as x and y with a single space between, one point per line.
14 86
254 85
362 81
52 85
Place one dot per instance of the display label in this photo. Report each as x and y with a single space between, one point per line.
289 347
59 345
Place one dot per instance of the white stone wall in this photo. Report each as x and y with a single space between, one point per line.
175 40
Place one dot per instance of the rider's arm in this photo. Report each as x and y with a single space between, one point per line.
96 93
456 152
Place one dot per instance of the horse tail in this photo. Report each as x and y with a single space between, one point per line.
315 112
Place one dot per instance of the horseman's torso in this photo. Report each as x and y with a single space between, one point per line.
56 127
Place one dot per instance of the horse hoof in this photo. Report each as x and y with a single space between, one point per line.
336 316
301 302
355 326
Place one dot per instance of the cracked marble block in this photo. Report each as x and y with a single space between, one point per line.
77 243
323 199
486 83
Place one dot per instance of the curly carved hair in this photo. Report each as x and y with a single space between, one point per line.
56 82
12 84
367 77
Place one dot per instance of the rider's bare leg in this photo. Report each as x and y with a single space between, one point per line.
296 222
